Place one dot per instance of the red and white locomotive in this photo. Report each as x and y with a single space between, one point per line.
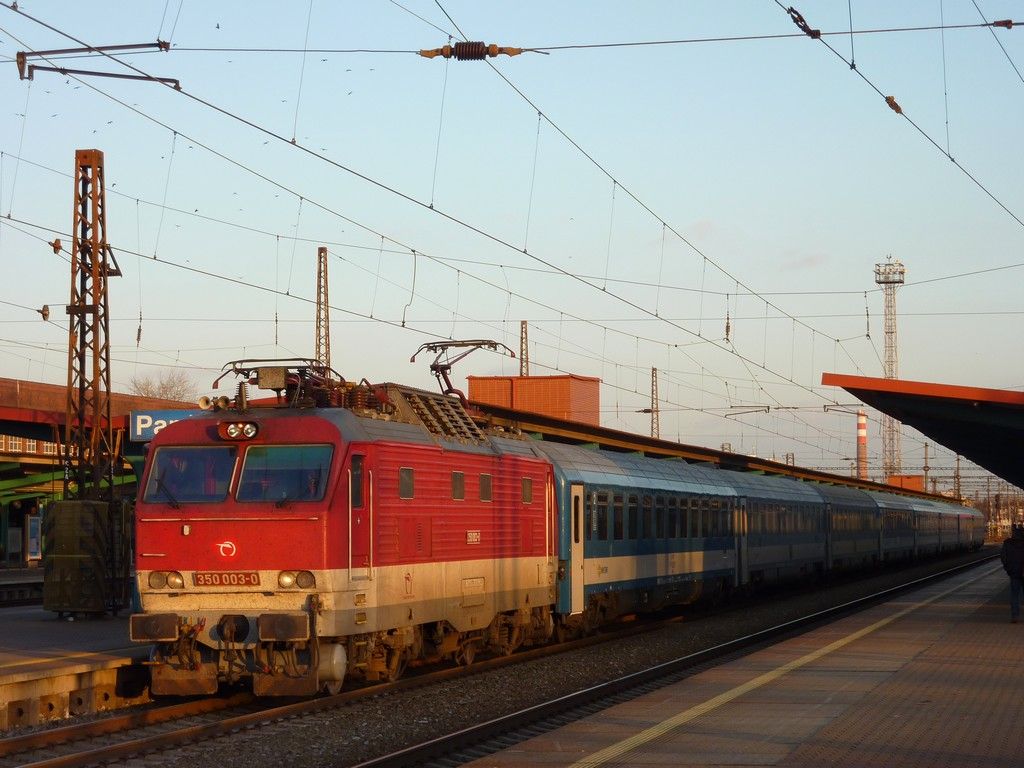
302 543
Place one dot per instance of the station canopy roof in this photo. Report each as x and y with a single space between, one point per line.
983 425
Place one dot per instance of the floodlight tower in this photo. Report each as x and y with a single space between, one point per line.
890 275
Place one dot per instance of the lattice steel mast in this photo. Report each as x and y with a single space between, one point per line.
655 414
322 353
890 276
89 451
524 349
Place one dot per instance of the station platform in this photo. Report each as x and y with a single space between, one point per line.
20 584
50 667
932 678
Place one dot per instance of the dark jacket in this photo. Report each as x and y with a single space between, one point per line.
1012 554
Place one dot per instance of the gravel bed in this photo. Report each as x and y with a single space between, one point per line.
381 725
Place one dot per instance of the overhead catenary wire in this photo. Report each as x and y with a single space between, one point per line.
516 267
171 263
388 188
894 105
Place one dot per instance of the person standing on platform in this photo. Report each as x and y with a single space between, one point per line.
1012 556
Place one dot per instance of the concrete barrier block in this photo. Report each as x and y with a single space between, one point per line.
53 707
22 712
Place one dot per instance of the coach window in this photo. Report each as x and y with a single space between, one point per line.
458 486
673 517
357 481
633 509
600 529
405 488
648 518
485 487
617 515
527 490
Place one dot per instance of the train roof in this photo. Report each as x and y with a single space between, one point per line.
588 465
753 485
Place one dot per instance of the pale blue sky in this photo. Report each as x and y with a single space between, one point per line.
771 157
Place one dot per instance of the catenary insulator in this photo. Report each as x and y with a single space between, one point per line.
470 51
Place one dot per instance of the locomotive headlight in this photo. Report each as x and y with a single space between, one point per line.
305 580
158 579
286 579
175 580
237 430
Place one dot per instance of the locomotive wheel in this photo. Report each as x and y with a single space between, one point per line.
331 687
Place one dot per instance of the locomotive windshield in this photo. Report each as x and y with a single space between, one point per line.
283 473
190 474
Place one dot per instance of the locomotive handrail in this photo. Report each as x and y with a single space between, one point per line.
369 570
349 473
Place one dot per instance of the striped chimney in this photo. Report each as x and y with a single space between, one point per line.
862 445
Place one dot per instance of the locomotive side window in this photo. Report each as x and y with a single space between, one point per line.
527 490
357 481
190 474
458 486
405 487
485 487
284 473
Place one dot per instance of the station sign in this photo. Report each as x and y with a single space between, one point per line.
143 425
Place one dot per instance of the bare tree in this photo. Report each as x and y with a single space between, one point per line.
169 384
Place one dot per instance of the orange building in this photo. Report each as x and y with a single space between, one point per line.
569 397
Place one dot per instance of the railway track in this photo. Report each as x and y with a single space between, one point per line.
500 733
160 728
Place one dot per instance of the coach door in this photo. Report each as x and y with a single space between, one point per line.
360 520
577 535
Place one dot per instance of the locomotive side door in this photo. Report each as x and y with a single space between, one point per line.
360 511
576 534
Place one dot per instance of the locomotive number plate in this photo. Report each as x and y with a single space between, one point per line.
226 579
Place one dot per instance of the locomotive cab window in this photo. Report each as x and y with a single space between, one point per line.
405 486
527 490
190 474
284 473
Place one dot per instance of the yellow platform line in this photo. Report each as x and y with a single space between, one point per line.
656 731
